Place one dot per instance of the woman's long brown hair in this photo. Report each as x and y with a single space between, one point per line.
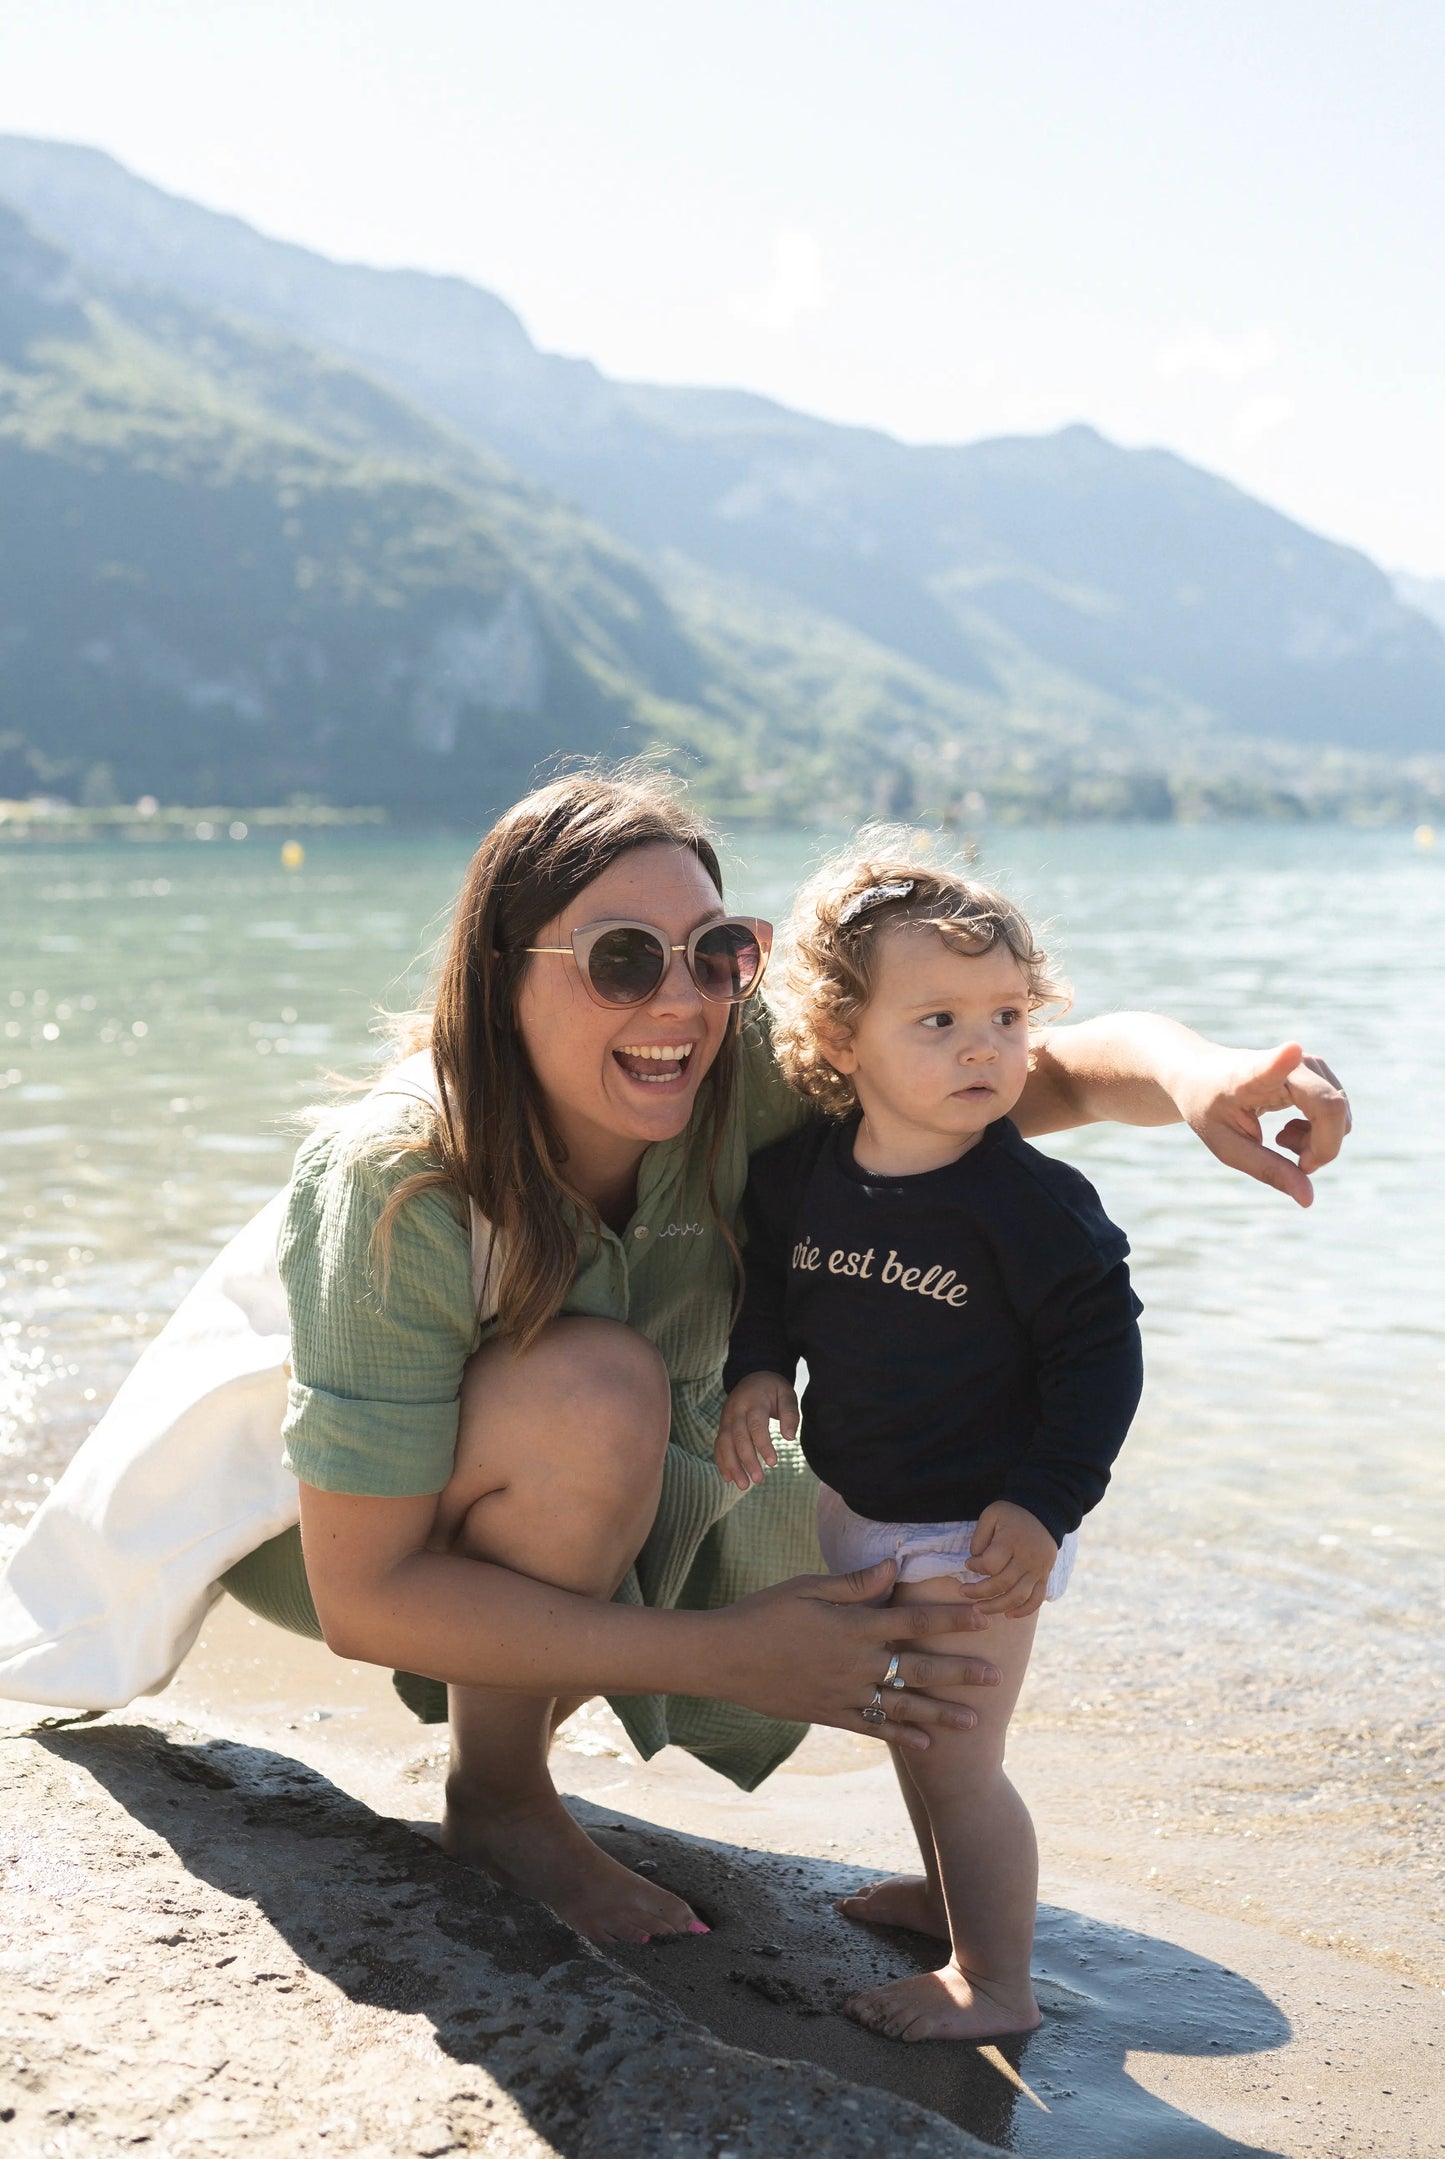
492 1140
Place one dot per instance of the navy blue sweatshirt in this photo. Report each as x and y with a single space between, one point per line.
970 1332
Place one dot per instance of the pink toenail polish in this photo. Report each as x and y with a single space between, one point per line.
646 1938
695 1926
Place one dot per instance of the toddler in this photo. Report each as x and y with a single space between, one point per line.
964 1311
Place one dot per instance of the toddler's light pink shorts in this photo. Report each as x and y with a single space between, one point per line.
923 1550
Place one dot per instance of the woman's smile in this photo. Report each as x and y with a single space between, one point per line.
655 1064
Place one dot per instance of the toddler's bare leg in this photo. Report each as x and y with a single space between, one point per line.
908 1900
558 1469
987 1864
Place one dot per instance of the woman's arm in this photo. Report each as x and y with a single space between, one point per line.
383 1598
1136 1068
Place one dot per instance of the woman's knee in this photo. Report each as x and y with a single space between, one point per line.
559 1457
591 1392
608 1370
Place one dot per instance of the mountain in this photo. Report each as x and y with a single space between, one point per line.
273 526
233 570
1127 573
1425 594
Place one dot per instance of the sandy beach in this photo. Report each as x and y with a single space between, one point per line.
1231 1961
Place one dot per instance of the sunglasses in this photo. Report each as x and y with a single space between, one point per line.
624 963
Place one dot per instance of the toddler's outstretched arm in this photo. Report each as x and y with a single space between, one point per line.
744 1451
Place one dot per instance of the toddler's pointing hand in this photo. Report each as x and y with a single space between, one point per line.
744 1452
1012 1547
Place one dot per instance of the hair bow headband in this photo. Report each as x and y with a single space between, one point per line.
874 896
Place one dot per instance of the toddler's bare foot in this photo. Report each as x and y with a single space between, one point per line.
539 1851
945 2005
904 1900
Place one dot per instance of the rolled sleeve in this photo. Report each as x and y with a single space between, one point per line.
377 1354
379 1449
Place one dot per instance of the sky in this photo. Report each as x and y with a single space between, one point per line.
1215 228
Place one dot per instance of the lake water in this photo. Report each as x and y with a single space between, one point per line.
164 1010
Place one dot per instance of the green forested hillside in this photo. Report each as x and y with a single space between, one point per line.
233 569
238 566
205 591
1129 573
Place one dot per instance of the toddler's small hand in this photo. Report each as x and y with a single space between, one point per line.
745 1452
1012 1547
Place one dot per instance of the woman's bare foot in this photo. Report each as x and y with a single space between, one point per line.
539 1851
944 2005
904 1900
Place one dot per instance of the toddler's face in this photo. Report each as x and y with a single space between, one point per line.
943 1045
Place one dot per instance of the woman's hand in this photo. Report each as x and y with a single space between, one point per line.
815 1650
1223 1095
744 1452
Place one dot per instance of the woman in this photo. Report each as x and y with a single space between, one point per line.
524 1506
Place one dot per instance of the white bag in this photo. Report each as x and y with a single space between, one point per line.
183 1476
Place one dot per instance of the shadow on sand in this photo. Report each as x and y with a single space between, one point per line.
786 1960
374 1908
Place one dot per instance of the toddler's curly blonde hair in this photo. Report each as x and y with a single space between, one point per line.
830 951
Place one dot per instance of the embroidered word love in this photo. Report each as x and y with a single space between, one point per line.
940 1284
683 1229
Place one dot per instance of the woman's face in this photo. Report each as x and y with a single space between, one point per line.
597 1065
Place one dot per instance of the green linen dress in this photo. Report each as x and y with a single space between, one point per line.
376 1374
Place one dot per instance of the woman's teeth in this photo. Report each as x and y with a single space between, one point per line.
672 1054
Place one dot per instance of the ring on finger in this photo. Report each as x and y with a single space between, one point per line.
893 1677
875 1713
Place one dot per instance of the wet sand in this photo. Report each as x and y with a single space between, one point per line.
1215 1981
212 1949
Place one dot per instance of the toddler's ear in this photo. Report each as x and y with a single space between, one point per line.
837 1046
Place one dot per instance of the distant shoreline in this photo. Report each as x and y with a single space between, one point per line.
46 820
